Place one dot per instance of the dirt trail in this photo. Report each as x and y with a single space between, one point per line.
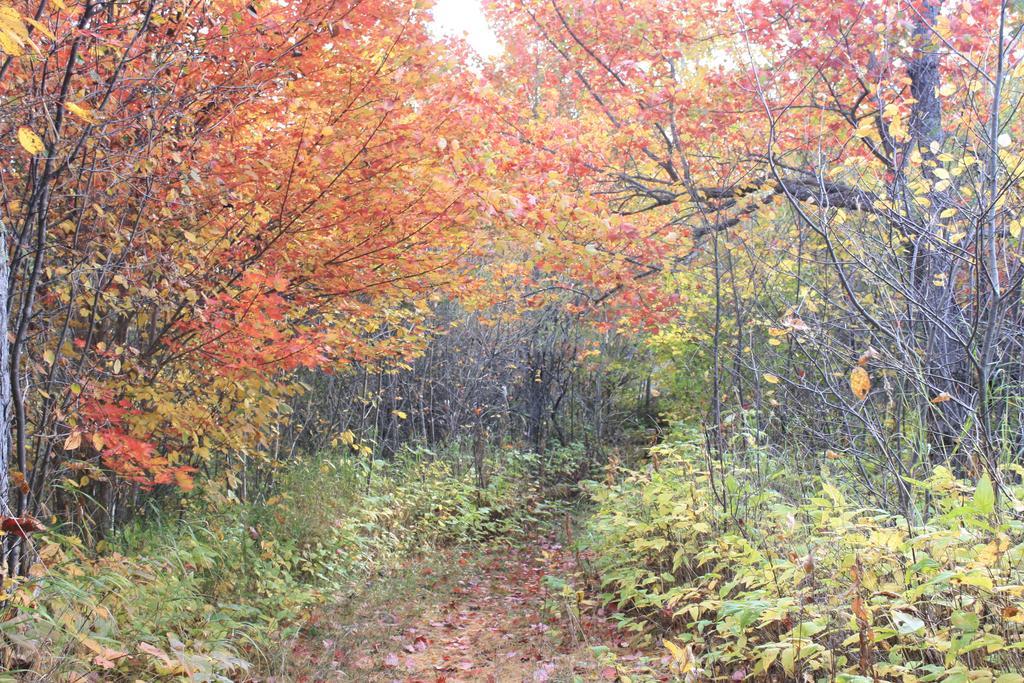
487 616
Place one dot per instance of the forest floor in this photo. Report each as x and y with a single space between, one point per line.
486 614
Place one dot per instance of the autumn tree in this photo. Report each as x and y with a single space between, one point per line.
855 164
198 199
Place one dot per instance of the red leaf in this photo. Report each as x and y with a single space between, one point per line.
21 526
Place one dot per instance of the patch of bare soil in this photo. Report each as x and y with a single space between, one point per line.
487 615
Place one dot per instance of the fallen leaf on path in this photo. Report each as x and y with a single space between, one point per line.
362 662
543 674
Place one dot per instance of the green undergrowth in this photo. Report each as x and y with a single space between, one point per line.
733 580
210 590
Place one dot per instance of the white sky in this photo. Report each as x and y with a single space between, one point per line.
464 17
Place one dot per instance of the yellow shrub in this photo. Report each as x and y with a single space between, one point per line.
764 588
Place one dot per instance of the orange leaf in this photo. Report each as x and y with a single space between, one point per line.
73 441
860 382
184 480
870 354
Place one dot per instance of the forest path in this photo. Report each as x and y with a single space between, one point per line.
485 614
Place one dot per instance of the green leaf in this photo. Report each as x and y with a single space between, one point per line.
788 659
907 623
965 621
984 496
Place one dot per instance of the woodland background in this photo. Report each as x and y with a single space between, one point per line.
291 288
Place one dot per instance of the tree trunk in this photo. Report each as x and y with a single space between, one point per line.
5 380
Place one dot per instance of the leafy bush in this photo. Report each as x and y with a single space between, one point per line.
753 586
210 591
557 471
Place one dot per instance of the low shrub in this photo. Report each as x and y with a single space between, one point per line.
210 591
743 584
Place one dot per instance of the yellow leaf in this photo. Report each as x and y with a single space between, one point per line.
32 143
9 45
941 173
12 21
860 382
865 129
399 414
770 378
682 656
82 112
42 28
975 578
13 33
